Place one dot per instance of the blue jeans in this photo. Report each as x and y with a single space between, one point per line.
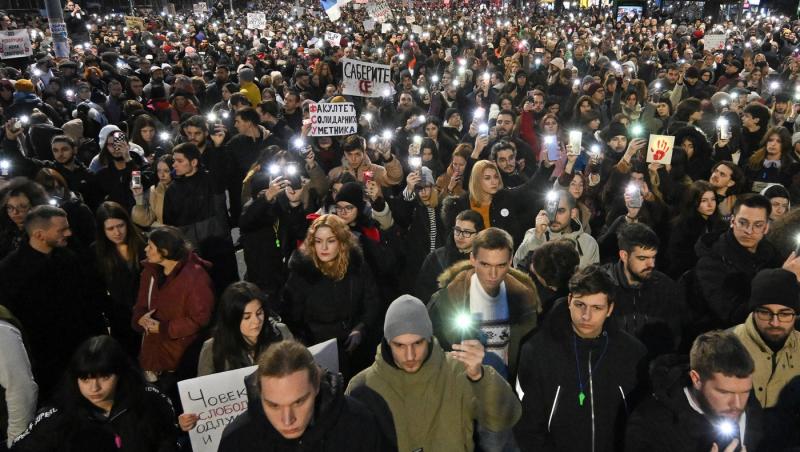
502 441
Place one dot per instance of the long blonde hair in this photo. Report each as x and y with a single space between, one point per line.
476 193
337 268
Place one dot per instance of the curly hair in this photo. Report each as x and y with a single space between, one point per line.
336 269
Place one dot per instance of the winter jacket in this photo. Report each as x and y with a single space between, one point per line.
436 407
453 297
183 302
665 422
723 274
388 175
584 243
141 422
341 423
651 311
318 308
17 389
150 214
775 379
684 234
115 184
412 217
435 263
554 371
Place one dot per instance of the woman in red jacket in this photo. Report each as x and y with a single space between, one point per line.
175 301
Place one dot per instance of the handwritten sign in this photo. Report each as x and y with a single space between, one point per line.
366 79
219 398
659 150
380 11
334 39
256 21
713 42
134 22
15 44
333 119
199 8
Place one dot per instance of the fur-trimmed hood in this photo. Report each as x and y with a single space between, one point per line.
516 280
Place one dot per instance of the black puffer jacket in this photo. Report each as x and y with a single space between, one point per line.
141 423
553 419
340 423
650 311
665 422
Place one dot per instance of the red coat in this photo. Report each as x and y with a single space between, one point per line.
183 303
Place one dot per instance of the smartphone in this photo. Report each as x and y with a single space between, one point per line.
724 129
551 146
635 196
292 175
551 206
368 177
575 137
136 179
118 139
483 130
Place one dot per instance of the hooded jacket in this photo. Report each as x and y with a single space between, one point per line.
340 423
723 273
434 408
550 376
651 312
453 297
585 244
775 378
665 422
183 301
433 266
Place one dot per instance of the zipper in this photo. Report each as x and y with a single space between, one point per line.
553 409
591 400
624 400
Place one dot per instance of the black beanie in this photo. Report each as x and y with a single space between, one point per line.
775 286
352 193
449 112
615 129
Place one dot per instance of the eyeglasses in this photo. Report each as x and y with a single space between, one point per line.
755 227
766 315
18 209
458 232
344 209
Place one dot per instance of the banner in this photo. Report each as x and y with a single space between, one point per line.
256 21
366 79
334 39
380 11
713 42
333 119
15 44
134 22
219 398
659 150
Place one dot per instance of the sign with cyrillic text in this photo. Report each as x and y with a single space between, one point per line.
15 44
256 21
380 11
217 399
714 42
330 120
200 8
334 39
366 79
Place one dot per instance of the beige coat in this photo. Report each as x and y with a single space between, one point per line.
767 385
386 176
152 213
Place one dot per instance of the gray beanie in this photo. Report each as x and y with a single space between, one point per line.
407 315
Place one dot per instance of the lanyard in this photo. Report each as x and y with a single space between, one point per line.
581 394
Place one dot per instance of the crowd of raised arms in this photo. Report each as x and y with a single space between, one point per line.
543 231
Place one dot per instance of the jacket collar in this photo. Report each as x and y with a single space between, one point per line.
755 337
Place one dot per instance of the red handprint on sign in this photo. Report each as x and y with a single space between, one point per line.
660 150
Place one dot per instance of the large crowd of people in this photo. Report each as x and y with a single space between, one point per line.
505 256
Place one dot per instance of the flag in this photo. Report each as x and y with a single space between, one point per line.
332 9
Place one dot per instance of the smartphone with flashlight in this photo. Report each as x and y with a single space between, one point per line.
635 196
575 137
724 129
368 177
483 130
725 432
551 206
466 324
551 147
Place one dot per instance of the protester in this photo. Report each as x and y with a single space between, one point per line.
16 380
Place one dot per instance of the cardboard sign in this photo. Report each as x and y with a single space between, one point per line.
366 79
416 29
15 44
386 27
256 21
380 11
134 22
334 39
410 19
200 8
219 398
659 150
369 25
331 120
714 42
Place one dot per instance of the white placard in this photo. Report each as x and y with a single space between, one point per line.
714 42
256 21
200 8
369 25
410 19
333 119
334 39
386 27
659 150
379 10
416 29
366 79
219 398
15 44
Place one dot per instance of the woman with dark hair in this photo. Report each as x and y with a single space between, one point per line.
18 197
771 164
687 112
174 304
697 216
429 152
103 405
145 129
692 155
330 292
443 142
228 90
451 182
118 251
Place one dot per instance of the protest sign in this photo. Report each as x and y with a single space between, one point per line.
369 25
15 44
256 21
659 150
219 398
334 39
386 27
134 22
714 42
380 11
416 29
200 8
333 119
410 19
366 79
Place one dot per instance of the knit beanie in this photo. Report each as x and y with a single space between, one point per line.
593 89
449 112
352 193
775 286
24 85
615 129
407 315
104 134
